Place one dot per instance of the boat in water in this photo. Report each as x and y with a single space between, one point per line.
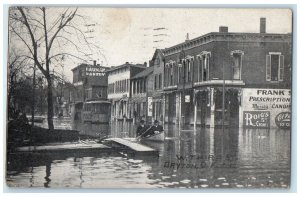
160 137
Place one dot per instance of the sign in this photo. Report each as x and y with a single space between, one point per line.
149 108
95 71
256 119
187 98
283 120
275 101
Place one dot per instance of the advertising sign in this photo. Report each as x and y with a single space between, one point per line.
277 102
149 106
283 120
256 119
187 98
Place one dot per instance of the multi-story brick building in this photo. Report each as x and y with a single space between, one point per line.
89 99
140 101
157 62
197 71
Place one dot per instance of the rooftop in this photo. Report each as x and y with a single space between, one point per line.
228 36
144 73
125 65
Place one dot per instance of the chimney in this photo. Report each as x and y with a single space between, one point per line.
95 62
145 64
126 63
223 29
262 25
187 38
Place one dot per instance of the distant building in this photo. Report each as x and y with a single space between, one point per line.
119 89
156 92
141 101
246 64
90 84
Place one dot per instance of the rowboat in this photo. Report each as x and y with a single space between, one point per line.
160 137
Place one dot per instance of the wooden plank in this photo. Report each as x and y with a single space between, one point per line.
131 145
61 147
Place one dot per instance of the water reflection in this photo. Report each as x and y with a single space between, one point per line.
205 158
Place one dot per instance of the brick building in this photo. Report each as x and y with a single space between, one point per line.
157 62
197 71
141 104
90 82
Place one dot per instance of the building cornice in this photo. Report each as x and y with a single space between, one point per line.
227 37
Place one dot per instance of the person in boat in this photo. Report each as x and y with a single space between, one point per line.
141 128
155 129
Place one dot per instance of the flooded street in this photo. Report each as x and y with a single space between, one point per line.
205 158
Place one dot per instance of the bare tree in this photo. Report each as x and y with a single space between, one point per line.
50 35
17 66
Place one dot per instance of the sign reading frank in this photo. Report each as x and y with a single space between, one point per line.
256 119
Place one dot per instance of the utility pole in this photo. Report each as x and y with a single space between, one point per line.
33 96
223 99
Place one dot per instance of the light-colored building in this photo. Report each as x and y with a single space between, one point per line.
119 89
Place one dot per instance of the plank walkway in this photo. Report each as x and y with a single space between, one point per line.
134 147
131 147
63 147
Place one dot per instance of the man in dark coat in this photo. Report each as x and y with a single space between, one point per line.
155 129
141 128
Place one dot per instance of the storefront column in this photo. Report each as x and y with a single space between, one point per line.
212 108
195 114
164 109
178 108
240 98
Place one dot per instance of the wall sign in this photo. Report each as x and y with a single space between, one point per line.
149 106
283 120
275 101
256 119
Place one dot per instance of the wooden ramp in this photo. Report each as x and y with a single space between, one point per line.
131 147
73 147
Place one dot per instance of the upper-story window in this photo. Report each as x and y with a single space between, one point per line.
237 64
169 74
274 66
203 65
157 61
189 64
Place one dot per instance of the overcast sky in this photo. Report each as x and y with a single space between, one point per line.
129 35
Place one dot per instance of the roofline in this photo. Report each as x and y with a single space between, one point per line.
141 76
84 64
180 45
125 65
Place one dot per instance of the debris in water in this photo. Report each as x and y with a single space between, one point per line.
186 181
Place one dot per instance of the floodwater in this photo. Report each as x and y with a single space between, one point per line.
205 158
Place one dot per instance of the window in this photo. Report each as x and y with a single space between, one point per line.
155 82
171 73
157 61
159 81
274 67
237 64
204 66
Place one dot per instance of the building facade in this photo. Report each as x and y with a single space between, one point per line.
119 89
90 82
157 96
141 98
208 80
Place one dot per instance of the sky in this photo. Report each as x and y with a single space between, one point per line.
133 34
